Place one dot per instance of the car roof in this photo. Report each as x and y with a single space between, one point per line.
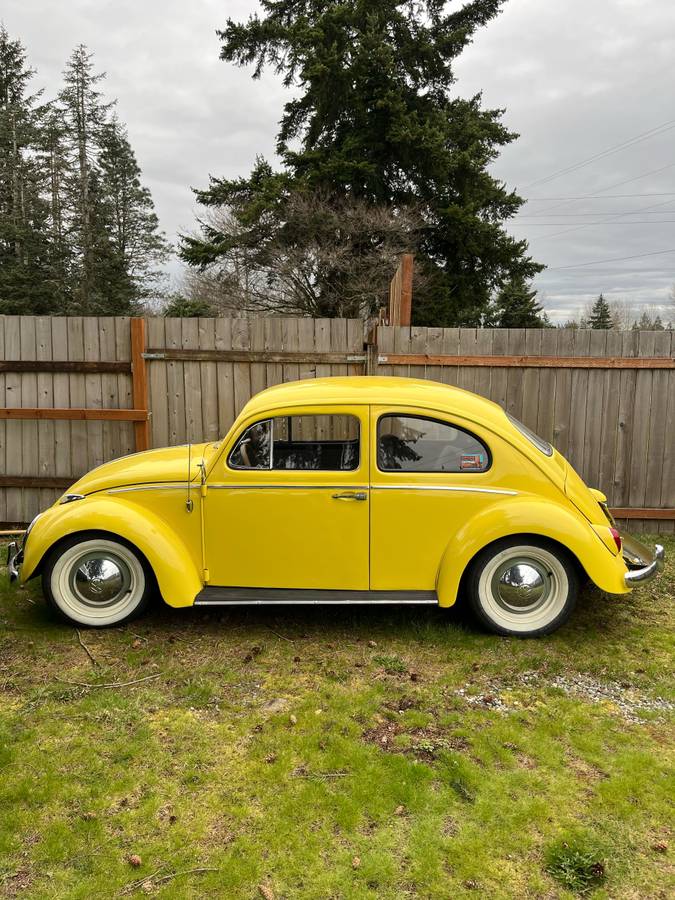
377 390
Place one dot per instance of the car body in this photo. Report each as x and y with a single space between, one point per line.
337 490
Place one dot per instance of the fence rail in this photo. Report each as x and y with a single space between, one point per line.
75 392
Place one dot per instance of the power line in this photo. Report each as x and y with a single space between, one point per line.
626 212
616 184
612 216
597 262
630 142
602 196
590 224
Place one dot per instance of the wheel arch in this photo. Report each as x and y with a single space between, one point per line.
538 521
174 567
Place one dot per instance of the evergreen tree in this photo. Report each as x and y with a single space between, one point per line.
516 307
601 315
184 307
374 121
129 219
24 238
85 113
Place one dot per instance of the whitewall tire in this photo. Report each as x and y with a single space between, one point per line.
522 586
96 581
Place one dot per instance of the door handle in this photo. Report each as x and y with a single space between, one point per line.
351 495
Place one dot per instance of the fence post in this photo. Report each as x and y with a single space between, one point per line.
400 292
139 383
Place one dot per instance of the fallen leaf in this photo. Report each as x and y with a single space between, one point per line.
372 644
266 892
293 719
134 860
137 645
356 862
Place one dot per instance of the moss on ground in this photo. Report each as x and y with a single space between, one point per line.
330 753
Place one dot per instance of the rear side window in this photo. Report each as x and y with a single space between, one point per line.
417 444
533 438
328 443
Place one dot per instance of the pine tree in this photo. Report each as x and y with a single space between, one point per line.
24 237
374 120
601 315
516 307
84 113
127 210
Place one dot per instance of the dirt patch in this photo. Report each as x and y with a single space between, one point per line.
423 743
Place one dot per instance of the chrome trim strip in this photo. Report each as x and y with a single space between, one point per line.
213 595
203 603
286 487
441 487
182 485
168 486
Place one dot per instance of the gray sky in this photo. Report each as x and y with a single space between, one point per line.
575 77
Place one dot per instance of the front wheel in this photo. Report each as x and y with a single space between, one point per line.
97 581
521 587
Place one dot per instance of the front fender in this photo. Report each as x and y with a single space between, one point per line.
529 515
176 569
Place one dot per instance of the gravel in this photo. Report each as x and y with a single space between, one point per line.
627 700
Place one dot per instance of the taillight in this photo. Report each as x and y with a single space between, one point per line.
617 538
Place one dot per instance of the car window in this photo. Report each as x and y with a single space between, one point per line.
321 443
253 447
417 444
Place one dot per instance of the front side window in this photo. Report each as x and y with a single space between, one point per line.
320 443
253 447
416 444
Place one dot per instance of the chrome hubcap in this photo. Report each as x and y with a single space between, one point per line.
100 580
521 586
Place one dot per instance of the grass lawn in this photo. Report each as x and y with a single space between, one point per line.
334 753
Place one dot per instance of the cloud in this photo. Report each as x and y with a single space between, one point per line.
575 78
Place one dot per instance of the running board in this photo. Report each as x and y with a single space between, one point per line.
238 596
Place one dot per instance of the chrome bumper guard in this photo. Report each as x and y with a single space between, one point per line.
643 563
14 560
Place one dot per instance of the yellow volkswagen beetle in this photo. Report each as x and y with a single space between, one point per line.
338 490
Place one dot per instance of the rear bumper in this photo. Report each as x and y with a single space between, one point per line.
14 560
643 563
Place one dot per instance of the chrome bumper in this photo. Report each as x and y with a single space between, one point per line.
14 560
643 563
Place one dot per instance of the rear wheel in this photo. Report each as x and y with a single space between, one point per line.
521 587
97 581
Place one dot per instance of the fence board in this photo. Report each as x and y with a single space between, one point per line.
605 399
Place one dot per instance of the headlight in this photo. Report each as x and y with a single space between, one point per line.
28 530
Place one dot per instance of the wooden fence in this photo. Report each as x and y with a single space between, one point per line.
75 392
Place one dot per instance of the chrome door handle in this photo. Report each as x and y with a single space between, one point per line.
351 495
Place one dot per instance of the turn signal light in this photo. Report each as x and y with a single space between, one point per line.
617 538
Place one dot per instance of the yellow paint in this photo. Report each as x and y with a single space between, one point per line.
295 536
415 531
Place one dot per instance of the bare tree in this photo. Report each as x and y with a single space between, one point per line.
323 257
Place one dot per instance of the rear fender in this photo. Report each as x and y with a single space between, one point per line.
529 516
176 569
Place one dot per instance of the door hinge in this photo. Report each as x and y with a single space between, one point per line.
207 576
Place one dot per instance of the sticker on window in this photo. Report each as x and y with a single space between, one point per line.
471 461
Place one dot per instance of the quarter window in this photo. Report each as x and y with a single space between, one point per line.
320 443
416 444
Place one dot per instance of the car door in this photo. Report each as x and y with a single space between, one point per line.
286 505
429 475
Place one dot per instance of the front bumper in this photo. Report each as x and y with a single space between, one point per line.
14 560
643 563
